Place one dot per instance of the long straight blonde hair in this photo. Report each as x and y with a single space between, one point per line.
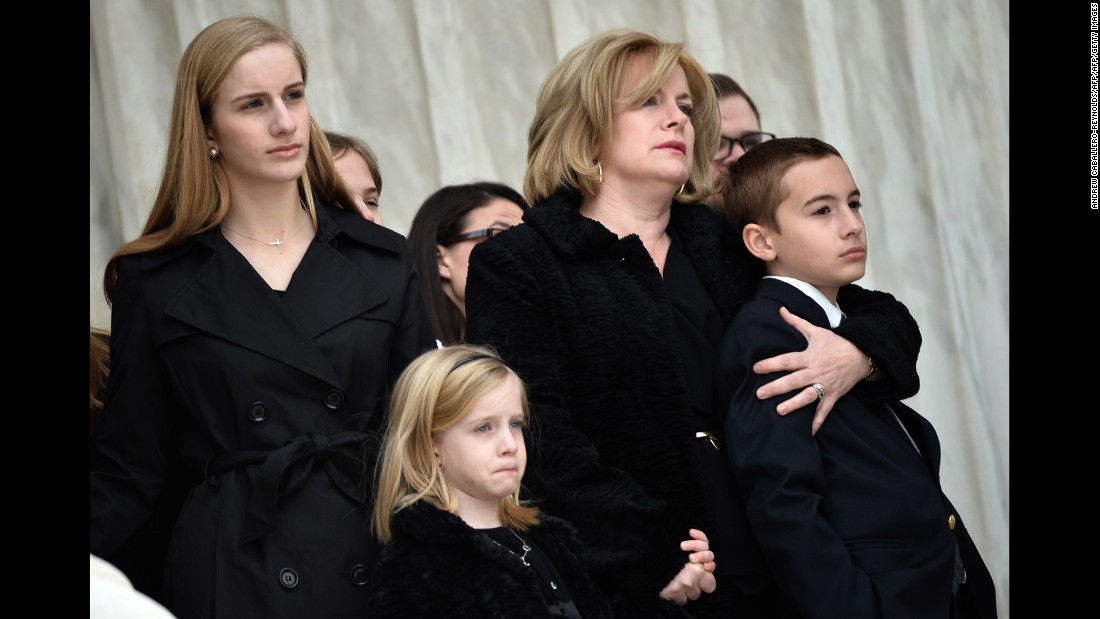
434 393
194 193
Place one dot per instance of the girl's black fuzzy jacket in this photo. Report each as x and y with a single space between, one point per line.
436 565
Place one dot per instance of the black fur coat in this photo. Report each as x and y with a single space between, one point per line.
438 566
584 319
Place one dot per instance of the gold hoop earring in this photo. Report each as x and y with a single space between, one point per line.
599 168
681 189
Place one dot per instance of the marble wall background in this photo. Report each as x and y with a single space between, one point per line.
913 94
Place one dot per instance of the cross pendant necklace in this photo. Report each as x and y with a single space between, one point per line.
276 243
526 548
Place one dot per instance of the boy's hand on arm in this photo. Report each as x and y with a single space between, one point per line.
828 360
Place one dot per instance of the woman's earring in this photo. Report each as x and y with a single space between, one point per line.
214 153
599 168
681 189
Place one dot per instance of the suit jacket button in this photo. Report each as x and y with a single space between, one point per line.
288 578
951 522
360 575
334 398
257 411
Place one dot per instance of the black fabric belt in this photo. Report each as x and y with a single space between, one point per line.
284 470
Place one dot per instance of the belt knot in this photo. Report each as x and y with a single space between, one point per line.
284 471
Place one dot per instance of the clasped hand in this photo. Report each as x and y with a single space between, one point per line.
697 575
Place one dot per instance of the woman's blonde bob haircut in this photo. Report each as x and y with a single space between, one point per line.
575 104
433 394
194 193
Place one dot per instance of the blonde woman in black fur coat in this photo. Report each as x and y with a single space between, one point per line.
459 541
610 301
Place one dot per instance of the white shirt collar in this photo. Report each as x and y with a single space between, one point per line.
832 311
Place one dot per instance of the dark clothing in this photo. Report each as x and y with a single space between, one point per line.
438 566
699 329
141 557
852 521
266 402
586 320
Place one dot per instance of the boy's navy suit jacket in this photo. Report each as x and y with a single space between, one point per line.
852 521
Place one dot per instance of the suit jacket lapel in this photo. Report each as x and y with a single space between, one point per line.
923 435
795 300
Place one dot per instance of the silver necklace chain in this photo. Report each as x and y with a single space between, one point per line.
526 548
276 243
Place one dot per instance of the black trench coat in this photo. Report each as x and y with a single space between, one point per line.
266 402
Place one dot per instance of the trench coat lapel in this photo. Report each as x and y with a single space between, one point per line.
325 273
228 299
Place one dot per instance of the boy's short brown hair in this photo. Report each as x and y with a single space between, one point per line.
754 186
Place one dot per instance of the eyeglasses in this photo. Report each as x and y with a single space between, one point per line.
747 141
487 233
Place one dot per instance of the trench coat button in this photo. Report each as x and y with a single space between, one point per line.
360 575
334 398
288 578
951 522
257 411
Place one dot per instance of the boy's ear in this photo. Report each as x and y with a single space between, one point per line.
757 240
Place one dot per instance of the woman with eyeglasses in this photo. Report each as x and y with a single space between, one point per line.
739 129
443 233
610 301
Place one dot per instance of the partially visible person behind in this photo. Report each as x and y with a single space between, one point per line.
852 521
257 327
609 302
460 541
358 168
740 129
444 231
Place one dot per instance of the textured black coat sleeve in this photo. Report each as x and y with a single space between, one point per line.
882 327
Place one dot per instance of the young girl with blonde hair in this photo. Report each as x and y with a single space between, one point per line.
460 540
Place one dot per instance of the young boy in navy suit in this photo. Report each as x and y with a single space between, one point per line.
851 519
